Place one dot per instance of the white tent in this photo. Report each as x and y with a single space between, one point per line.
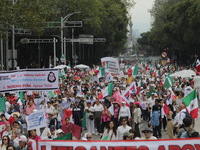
62 67
81 66
184 74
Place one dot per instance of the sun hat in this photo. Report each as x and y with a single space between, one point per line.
147 129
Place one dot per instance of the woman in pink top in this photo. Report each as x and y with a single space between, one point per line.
33 135
105 118
116 114
30 107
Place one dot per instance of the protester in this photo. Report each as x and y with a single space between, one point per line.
170 122
33 135
127 136
83 104
22 143
5 142
110 133
90 118
124 112
137 118
98 108
187 131
121 129
148 134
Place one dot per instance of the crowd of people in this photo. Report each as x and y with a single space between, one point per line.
110 117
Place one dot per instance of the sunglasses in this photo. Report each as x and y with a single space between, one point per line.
5 139
89 137
146 132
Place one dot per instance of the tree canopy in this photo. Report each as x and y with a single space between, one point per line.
101 18
176 26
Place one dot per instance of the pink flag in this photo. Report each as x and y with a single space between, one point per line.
117 96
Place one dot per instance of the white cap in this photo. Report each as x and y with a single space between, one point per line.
59 131
23 138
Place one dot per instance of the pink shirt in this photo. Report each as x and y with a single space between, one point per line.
116 112
105 117
29 109
36 138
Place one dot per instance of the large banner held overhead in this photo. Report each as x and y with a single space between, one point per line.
36 120
110 64
29 80
179 144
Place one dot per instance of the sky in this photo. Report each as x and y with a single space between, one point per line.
140 16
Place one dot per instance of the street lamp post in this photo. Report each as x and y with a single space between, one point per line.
63 20
1 52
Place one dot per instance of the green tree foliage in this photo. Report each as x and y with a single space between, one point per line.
27 14
176 25
102 18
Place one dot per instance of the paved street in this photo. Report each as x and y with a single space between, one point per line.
164 133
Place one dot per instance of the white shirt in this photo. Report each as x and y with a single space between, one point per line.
91 109
137 115
181 116
151 102
120 131
7 106
98 107
151 138
49 110
124 112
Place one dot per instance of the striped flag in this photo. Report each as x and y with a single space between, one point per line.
101 73
198 65
135 70
2 104
191 103
168 82
106 92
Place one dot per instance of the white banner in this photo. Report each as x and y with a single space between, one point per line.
110 64
29 80
36 120
179 144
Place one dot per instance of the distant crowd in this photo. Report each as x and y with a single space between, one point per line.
151 97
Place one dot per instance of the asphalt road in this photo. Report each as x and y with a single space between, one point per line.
164 133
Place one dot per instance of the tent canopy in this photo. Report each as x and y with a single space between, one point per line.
184 74
81 66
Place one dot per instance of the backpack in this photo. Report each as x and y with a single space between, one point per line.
191 135
187 115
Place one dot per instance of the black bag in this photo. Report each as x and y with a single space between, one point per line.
91 117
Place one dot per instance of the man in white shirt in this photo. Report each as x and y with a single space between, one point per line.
124 112
148 134
98 108
121 129
89 119
181 116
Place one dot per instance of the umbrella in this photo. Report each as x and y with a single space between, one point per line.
184 74
81 66
61 67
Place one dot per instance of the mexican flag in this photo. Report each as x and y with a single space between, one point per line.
51 94
101 73
198 65
151 90
21 98
191 103
61 75
168 82
2 104
107 91
67 136
135 70
105 138
168 60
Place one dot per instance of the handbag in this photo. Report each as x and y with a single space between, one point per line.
91 117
